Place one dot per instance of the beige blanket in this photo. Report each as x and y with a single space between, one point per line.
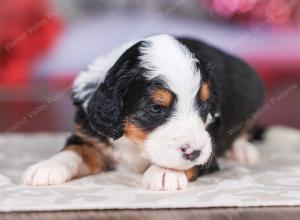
275 181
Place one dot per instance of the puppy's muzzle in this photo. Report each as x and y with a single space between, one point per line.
188 153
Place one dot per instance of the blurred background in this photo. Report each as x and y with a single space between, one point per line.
44 44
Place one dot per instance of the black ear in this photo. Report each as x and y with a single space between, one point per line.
105 106
104 112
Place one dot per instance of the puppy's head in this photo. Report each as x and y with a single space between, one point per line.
158 95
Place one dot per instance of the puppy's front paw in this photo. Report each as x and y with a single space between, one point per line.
56 170
160 179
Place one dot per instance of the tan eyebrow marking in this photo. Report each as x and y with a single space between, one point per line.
162 97
204 92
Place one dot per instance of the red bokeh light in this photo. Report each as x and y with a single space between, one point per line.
26 31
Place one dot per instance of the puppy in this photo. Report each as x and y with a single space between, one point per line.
166 106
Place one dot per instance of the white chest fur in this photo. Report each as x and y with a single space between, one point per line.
129 156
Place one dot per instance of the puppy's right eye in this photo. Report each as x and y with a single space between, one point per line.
156 109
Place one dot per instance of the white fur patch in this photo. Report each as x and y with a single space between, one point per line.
243 151
161 179
209 120
129 156
56 170
163 144
172 62
96 73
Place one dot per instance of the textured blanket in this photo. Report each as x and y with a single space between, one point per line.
275 181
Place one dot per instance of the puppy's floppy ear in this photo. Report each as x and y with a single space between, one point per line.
104 109
104 112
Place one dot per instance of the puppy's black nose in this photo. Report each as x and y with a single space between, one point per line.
192 156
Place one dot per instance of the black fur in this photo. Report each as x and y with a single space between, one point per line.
125 92
105 109
235 93
75 140
138 105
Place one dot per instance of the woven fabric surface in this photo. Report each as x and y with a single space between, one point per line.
274 181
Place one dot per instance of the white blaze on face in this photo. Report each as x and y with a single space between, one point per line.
167 59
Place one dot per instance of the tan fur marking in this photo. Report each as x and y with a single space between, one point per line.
162 97
192 174
94 153
134 133
204 91
95 160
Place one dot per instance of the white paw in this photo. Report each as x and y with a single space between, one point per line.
160 179
243 152
56 170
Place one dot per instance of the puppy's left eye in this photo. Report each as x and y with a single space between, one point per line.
203 106
156 109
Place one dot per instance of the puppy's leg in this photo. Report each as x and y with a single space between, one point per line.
162 179
79 157
157 178
243 151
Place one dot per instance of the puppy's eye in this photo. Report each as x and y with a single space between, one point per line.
156 109
203 106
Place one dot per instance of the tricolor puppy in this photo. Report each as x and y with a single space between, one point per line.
162 105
